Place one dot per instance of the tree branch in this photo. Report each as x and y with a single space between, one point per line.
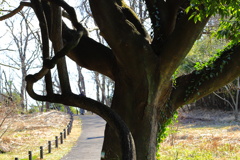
45 43
178 44
202 82
94 56
90 54
9 66
122 35
71 12
163 15
56 37
121 20
224 99
15 11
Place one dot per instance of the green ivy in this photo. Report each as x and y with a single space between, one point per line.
164 129
209 70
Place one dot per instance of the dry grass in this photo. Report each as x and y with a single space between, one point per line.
29 132
203 140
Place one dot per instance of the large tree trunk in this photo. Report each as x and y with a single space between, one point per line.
134 101
144 130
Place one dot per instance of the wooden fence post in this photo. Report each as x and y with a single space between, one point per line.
41 152
64 133
56 141
30 155
49 147
61 138
68 129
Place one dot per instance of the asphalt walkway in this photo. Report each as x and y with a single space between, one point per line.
89 144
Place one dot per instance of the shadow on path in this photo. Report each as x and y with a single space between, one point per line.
89 144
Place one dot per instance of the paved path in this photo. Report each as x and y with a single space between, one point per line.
89 144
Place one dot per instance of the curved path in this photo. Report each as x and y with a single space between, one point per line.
89 144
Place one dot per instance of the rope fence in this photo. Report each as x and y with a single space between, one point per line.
53 143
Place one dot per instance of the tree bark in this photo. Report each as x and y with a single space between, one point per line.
141 117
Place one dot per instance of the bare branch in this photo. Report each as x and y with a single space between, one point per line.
15 11
45 43
70 10
6 116
224 99
48 64
7 50
9 66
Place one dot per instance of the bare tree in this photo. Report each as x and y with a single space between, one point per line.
232 89
8 87
81 85
104 88
81 81
23 36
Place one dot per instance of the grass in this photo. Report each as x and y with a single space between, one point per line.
29 132
202 140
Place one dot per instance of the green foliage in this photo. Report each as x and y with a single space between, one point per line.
209 70
229 11
34 109
165 130
203 50
206 8
62 108
229 29
57 106
16 98
209 65
7 99
74 110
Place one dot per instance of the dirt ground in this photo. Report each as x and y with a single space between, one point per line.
206 117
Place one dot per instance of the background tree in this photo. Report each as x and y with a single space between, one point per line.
23 36
104 88
142 66
232 91
81 84
9 95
